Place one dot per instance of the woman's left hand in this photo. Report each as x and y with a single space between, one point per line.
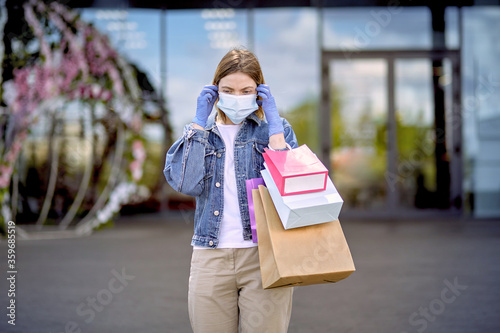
270 110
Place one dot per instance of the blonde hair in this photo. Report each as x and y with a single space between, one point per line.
239 60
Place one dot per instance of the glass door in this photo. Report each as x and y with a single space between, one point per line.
358 100
416 167
387 145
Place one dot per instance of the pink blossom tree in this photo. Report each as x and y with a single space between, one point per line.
73 62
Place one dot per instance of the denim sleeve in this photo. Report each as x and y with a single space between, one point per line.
185 162
290 137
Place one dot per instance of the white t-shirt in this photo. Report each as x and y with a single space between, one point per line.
231 232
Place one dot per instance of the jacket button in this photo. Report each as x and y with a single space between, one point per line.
219 155
217 184
211 243
216 213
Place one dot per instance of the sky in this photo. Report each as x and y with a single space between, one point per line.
286 43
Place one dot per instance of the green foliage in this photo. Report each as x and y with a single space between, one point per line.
153 165
3 224
340 136
303 119
107 225
415 149
359 149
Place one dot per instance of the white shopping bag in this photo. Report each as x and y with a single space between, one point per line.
302 210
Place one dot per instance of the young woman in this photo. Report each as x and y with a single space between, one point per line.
211 162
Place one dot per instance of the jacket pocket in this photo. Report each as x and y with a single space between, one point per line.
257 158
210 156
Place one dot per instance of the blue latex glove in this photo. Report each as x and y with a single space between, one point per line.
270 110
205 104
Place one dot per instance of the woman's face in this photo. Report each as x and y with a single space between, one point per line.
237 84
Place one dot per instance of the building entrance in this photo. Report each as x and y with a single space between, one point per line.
390 143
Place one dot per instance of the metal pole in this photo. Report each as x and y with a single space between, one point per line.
392 139
250 29
456 130
441 153
163 105
163 56
324 118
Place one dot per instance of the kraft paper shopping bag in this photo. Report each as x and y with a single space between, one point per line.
298 257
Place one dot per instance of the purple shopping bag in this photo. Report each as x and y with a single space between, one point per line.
251 185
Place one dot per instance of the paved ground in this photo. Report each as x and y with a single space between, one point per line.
412 276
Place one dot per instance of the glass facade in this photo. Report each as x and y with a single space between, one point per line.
481 111
286 40
354 29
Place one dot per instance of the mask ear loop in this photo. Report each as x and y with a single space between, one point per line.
217 111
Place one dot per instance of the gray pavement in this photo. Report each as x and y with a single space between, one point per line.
427 275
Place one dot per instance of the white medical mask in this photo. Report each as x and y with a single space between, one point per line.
237 107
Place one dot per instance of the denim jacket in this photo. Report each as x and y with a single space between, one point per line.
195 166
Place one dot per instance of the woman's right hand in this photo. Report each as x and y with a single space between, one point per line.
205 103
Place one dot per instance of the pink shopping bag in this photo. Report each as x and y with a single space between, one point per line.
296 171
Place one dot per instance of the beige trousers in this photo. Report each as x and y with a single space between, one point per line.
226 294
